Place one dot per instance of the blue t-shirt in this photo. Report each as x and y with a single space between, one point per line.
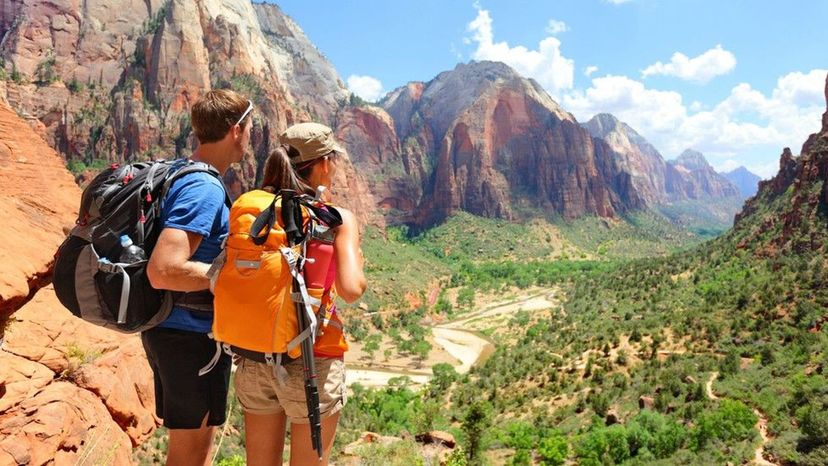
195 203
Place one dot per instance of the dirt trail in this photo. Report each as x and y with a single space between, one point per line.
761 425
709 386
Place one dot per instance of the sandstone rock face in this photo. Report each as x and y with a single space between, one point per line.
39 199
114 81
312 80
63 424
88 43
796 223
70 392
373 146
655 181
691 177
633 155
72 389
487 138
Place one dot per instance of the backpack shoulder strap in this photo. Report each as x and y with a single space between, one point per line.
195 167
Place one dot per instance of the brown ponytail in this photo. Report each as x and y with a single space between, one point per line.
279 174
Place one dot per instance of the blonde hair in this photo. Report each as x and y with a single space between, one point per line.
280 172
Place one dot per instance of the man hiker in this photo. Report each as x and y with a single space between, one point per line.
194 221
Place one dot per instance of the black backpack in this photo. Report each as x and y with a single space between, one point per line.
88 278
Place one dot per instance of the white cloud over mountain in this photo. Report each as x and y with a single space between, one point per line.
366 87
701 69
746 119
546 63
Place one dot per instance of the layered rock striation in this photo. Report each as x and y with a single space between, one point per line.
114 81
480 138
70 392
633 155
690 177
39 201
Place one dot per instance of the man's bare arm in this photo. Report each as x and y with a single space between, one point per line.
170 267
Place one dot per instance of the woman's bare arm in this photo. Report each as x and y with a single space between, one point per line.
350 278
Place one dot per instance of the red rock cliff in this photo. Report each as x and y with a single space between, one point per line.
69 391
788 212
487 139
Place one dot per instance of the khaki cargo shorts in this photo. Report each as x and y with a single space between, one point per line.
259 392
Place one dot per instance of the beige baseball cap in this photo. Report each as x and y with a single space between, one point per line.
312 140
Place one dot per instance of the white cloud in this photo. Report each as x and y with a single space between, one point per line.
617 2
589 70
746 121
701 69
366 87
556 27
546 64
727 166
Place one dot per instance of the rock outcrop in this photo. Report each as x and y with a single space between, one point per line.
114 81
69 391
633 155
787 215
39 200
690 177
486 139
73 390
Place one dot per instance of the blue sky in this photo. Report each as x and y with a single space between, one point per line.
735 79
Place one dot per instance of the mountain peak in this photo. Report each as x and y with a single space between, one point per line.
745 180
491 70
602 124
741 170
691 160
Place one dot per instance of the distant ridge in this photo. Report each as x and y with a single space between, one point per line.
745 180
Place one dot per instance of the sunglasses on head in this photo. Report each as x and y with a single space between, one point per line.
246 112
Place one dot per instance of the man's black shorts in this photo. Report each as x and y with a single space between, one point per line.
182 397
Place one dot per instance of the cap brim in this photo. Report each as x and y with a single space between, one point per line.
337 148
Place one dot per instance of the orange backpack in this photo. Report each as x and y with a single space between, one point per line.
257 303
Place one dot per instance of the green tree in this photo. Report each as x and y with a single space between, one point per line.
474 427
372 344
465 298
730 363
553 450
443 376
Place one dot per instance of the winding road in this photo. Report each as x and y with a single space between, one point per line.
761 425
460 338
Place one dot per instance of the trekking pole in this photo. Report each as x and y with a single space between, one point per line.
292 220
311 388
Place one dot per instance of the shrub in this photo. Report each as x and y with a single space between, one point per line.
553 450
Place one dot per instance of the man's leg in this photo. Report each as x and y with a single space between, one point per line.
191 447
190 405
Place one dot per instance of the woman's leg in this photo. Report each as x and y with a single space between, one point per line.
301 449
264 438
